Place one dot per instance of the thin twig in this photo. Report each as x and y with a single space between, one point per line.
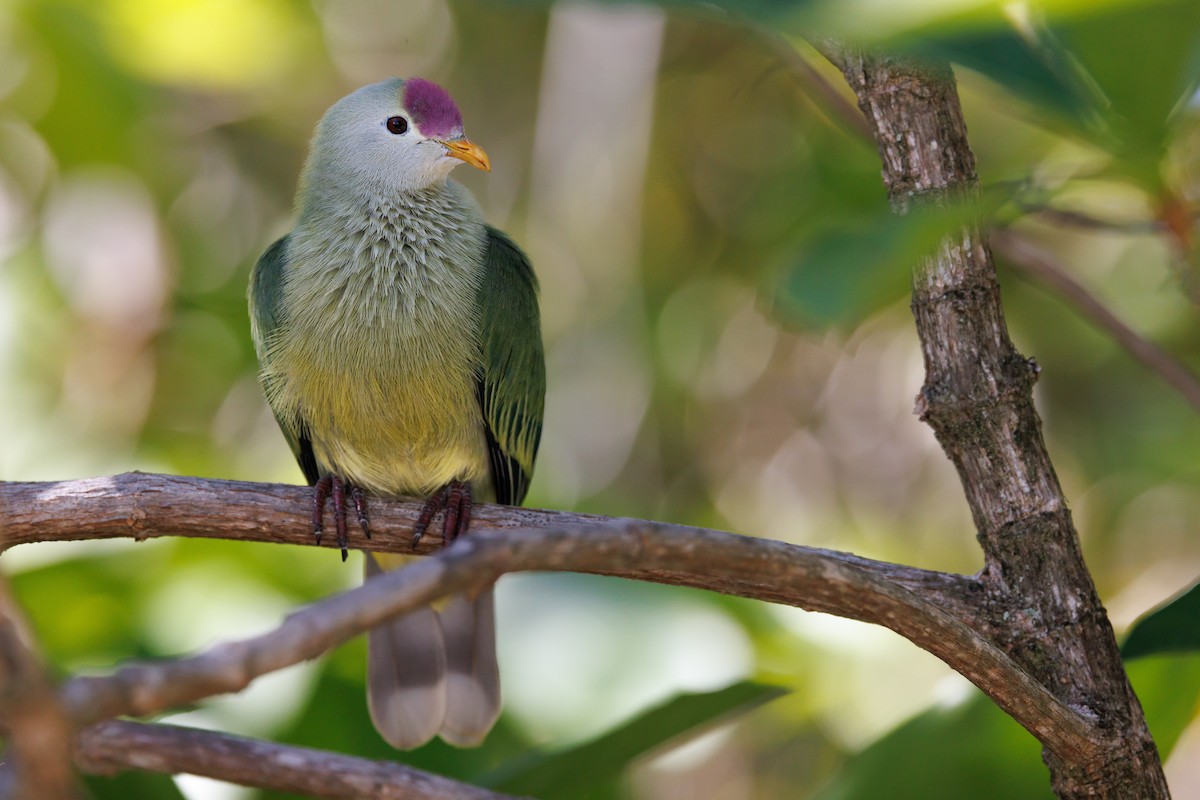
116 746
821 89
1079 219
1037 263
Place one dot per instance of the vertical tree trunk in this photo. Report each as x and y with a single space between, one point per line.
1041 603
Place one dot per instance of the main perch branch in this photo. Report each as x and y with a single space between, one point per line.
933 610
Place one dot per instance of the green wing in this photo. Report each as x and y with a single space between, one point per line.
512 386
266 287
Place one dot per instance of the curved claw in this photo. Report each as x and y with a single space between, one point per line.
435 503
454 499
333 486
458 512
360 508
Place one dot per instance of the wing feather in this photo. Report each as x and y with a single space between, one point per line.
512 384
266 291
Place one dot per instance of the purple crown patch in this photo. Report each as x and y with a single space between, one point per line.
433 110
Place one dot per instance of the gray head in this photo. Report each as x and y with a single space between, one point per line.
396 135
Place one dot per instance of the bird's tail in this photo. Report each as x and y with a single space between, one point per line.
433 671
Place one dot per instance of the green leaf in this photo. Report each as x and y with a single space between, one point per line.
952 752
1143 58
1037 69
1167 687
1173 627
592 769
844 275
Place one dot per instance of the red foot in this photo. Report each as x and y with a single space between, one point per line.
455 500
332 485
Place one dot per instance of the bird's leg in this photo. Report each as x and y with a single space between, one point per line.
333 486
454 499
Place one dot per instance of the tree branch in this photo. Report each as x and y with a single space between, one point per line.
38 759
1035 262
978 399
1078 219
818 580
117 746
146 506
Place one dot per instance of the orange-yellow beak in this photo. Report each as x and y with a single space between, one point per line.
469 152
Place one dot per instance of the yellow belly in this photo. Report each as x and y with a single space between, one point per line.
393 431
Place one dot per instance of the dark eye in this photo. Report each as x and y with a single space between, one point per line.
397 125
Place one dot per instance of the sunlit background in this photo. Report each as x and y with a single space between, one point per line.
666 172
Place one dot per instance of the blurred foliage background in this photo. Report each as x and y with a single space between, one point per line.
724 302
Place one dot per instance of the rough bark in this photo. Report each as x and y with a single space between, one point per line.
1039 599
145 506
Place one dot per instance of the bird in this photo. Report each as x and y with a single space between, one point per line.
400 349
